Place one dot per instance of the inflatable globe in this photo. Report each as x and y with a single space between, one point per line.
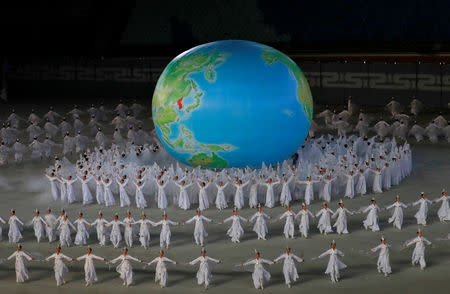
232 104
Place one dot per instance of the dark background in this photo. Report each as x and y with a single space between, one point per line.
92 50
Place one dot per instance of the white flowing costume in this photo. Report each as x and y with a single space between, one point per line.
235 231
161 270
60 268
334 264
289 268
20 265
204 272
260 274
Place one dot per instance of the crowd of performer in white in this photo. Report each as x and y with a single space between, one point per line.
52 228
325 168
260 274
74 132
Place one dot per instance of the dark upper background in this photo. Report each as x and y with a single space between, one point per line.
93 51
145 27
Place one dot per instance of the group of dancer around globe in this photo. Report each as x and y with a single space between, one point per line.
121 172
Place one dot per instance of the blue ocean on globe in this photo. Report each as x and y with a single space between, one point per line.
232 104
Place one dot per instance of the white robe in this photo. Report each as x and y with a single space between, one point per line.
82 232
107 194
87 196
116 235
422 214
341 221
270 197
20 265
183 198
90 276
260 226
64 235
289 268
203 202
418 255
164 236
334 264
204 272
221 201
383 264
162 198
124 199
199 230
99 224
444 211
289 226
239 195
140 199
235 231
59 267
303 226
371 220
161 275
260 274
144 231
50 227
128 235
38 226
124 268
14 233
324 224
397 216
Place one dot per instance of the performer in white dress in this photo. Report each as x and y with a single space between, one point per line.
235 231
100 224
15 224
422 213
341 221
38 226
203 202
221 201
123 195
82 231
183 197
289 269
260 227
204 272
20 264
144 231
289 225
444 211
397 216
64 231
124 268
128 235
304 214
383 264
260 274
161 275
270 196
164 236
371 221
90 276
418 256
199 230
50 225
60 267
116 235
334 264
324 224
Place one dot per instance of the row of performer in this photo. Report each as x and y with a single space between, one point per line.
51 226
260 274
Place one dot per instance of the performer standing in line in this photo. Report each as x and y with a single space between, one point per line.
418 256
20 265
161 275
260 274
289 268
334 264
124 268
60 268
383 264
90 276
204 272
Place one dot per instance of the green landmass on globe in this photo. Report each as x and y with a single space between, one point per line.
177 82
